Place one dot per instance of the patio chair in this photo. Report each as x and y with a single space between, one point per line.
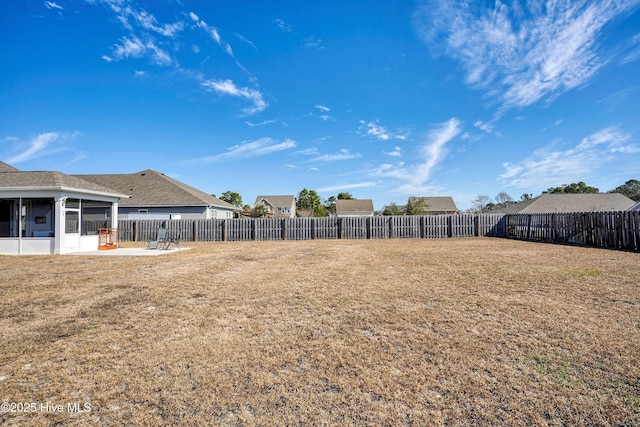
161 239
172 239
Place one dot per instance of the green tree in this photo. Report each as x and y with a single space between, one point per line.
345 196
232 197
526 196
258 211
573 188
631 189
392 209
416 206
330 204
310 204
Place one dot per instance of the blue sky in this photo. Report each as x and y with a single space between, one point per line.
381 99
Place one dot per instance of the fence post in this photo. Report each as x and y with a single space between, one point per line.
284 229
368 226
391 234
254 229
224 230
135 231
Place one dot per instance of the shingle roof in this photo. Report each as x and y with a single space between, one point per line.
6 167
354 205
552 203
152 188
439 204
51 179
277 201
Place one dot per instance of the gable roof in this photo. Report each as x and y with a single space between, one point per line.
6 167
277 201
152 188
354 205
52 180
552 203
438 204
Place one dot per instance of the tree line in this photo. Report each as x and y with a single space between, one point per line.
484 203
309 202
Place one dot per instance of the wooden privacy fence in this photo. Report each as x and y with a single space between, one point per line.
379 227
615 230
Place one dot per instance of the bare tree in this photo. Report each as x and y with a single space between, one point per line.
480 203
503 199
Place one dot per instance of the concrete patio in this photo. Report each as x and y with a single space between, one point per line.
130 252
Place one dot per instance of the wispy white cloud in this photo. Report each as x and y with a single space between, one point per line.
257 148
342 187
246 40
633 50
312 42
484 126
283 26
227 87
344 154
430 155
262 123
135 48
162 43
149 22
213 32
397 152
549 167
42 144
324 110
133 18
53 5
521 53
378 131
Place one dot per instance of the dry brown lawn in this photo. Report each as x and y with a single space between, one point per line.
381 332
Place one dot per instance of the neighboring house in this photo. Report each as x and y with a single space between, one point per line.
635 207
43 212
157 196
443 205
354 207
277 206
558 203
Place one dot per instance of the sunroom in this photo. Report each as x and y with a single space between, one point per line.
53 213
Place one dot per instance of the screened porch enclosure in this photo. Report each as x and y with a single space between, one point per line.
27 217
31 225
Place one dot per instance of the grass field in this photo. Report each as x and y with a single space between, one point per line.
473 331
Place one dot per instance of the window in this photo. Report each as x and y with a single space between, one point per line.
72 221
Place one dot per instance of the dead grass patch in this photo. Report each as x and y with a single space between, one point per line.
380 332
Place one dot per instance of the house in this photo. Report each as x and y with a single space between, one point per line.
157 196
635 208
45 212
354 207
277 206
558 203
443 205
